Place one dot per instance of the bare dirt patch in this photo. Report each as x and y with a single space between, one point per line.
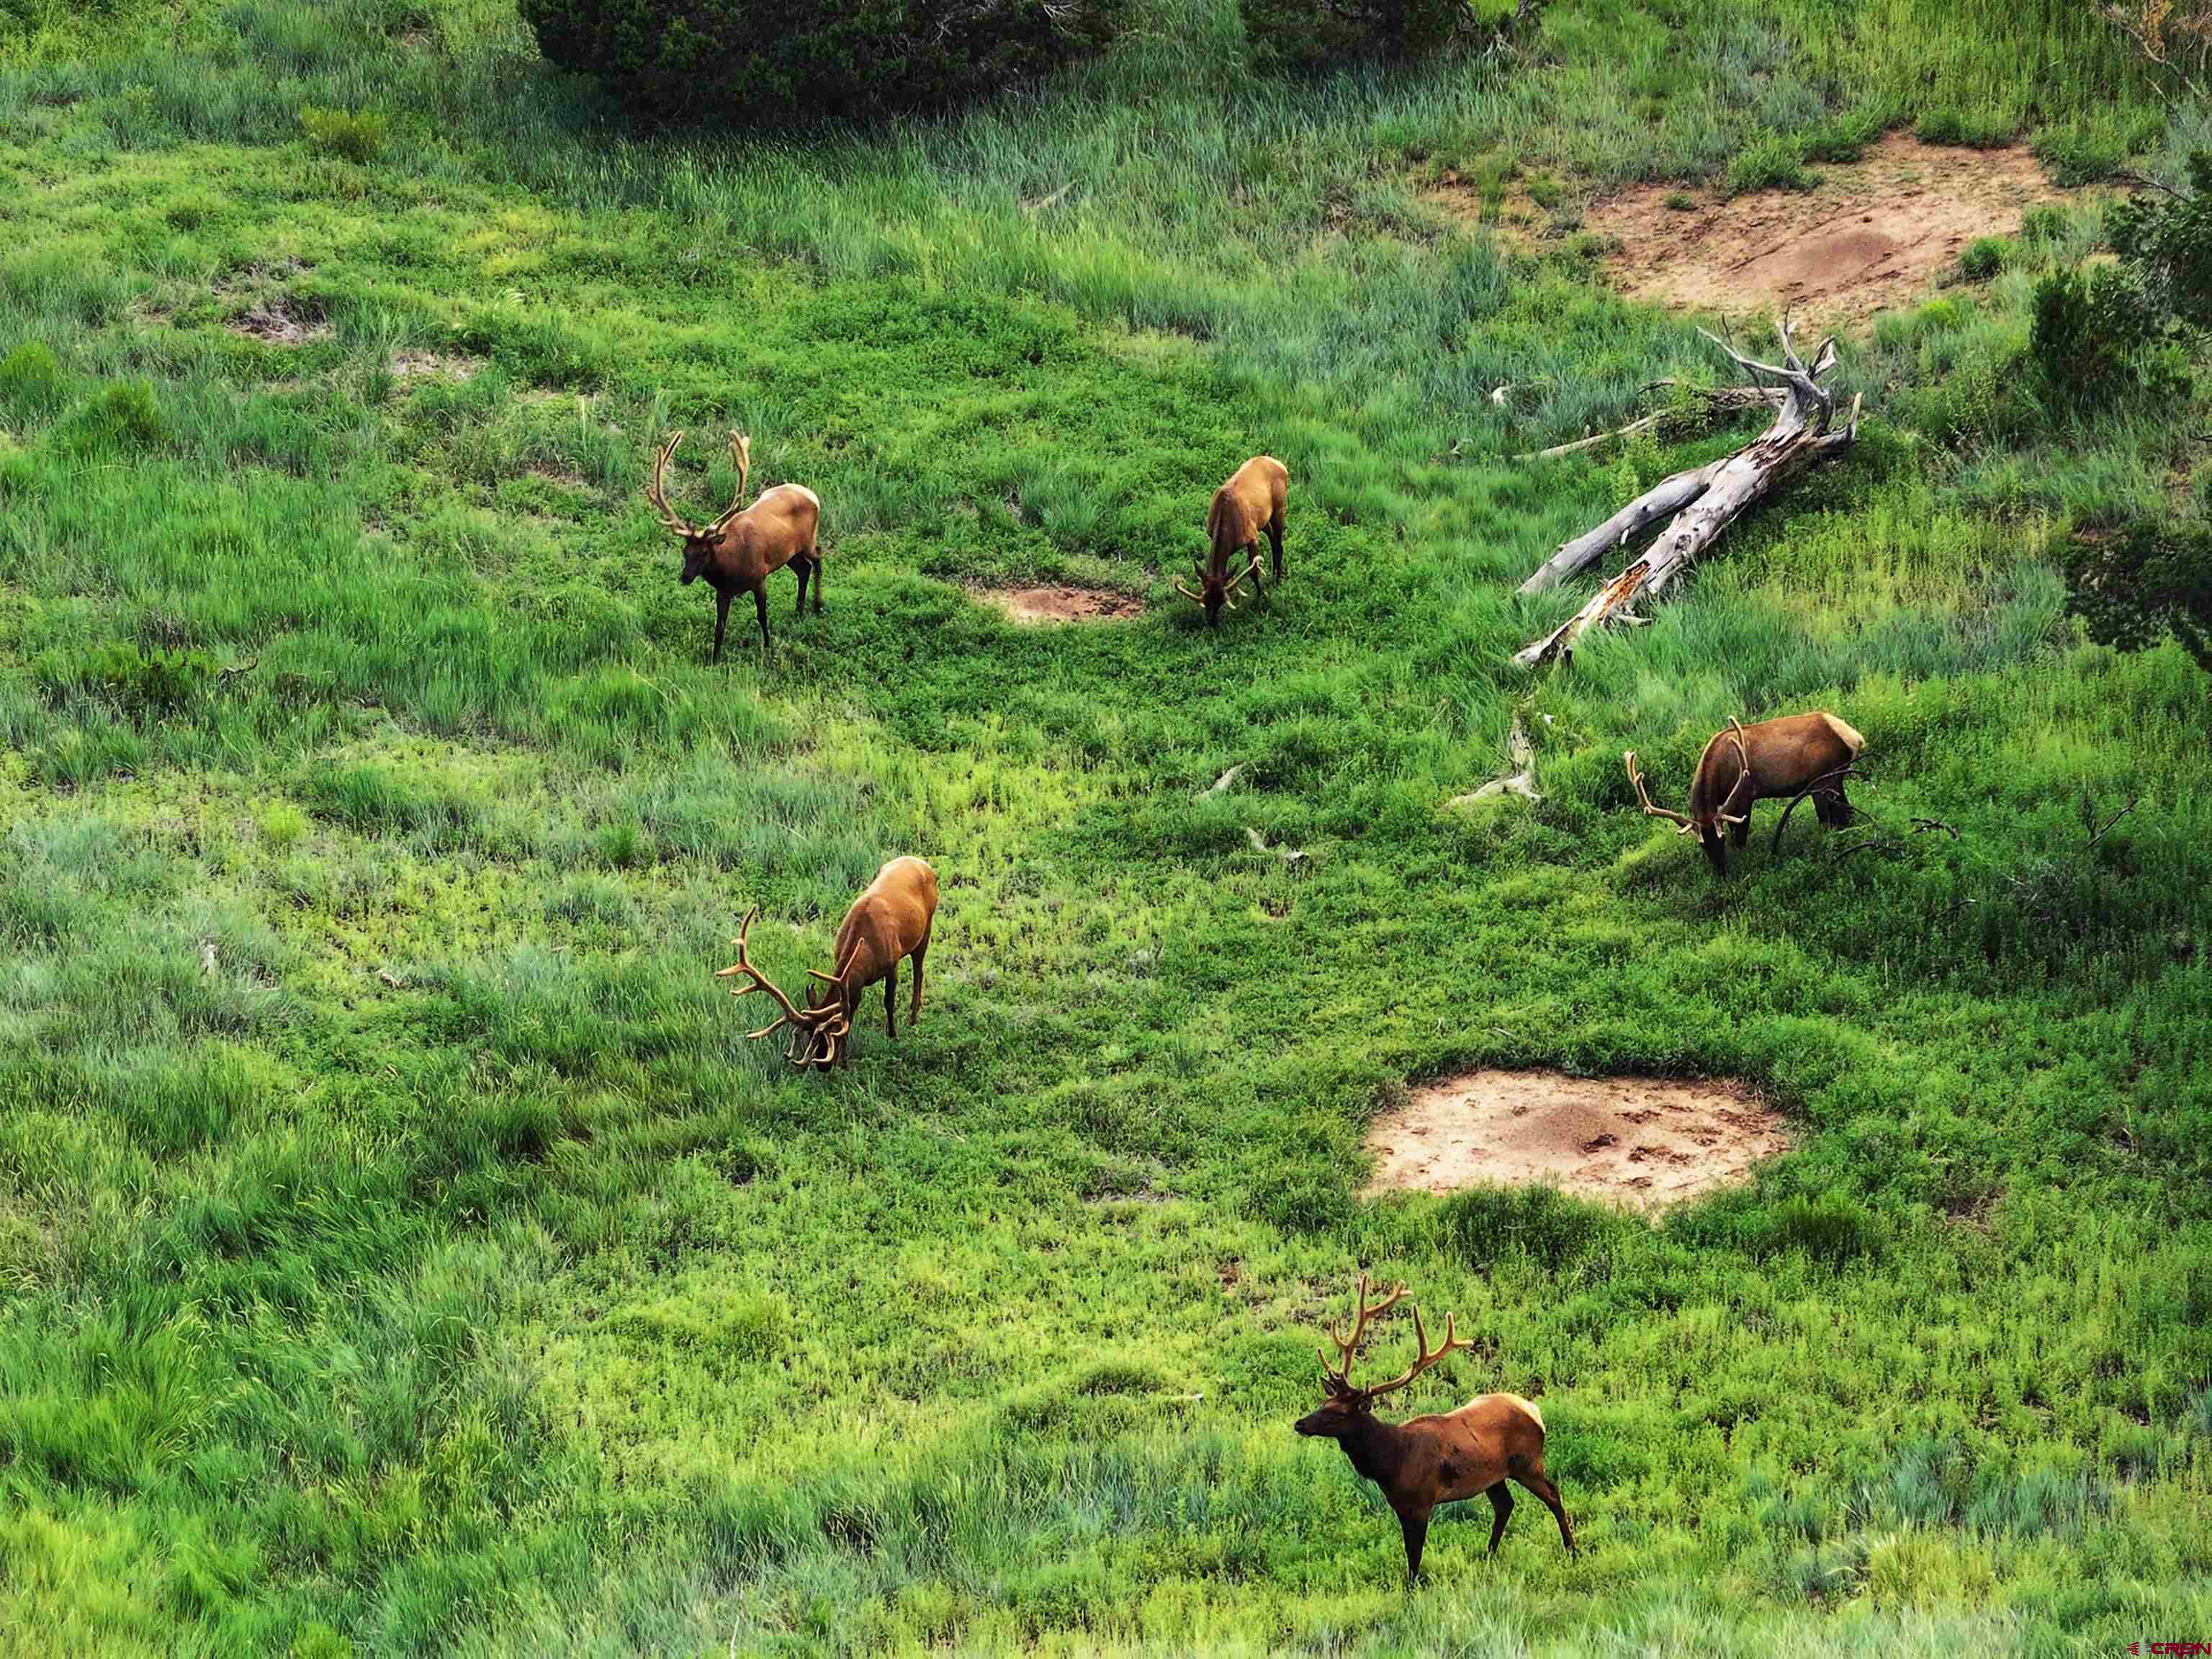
1644 1142
1060 604
1875 235
434 365
278 324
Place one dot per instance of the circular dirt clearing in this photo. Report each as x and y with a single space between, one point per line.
1060 604
1644 1142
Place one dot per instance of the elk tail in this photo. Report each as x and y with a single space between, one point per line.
1851 739
1529 1407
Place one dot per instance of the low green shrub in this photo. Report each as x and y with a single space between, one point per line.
1982 258
350 134
30 381
1775 162
1311 35
1985 129
723 60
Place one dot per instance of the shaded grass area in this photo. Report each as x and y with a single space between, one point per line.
402 1247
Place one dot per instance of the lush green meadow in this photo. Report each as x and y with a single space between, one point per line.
401 1248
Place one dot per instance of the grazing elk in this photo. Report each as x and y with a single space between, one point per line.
740 550
1778 759
1427 1460
891 919
1250 503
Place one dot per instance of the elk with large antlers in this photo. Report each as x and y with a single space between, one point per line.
1428 1461
737 552
891 920
1776 759
1248 506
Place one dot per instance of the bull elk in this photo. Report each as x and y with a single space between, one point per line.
1776 759
742 548
1248 504
1428 1461
891 920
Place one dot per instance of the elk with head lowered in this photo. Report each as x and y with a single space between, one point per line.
1246 506
1778 759
891 920
1428 1461
737 552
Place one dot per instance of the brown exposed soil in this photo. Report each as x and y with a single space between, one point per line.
433 366
279 324
1060 604
1644 1142
1875 235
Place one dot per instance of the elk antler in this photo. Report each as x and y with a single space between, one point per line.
1339 1375
741 457
1427 1360
1683 826
1743 777
760 981
657 491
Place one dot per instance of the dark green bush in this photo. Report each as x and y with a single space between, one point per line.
2136 584
2095 338
2167 239
1308 35
671 60
1982 258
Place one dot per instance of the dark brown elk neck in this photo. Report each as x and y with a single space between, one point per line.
1378 1450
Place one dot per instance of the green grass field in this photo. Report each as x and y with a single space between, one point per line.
401 1248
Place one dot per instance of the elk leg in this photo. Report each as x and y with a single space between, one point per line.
721 621
760 604
1743 830
1538 1482
1259 587
914 1011
890 1001
1275 538
1501 1511
802 565
814 558
1414 1524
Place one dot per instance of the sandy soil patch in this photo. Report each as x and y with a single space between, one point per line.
1873 236
1644 1142
1060 605
278 324
433 366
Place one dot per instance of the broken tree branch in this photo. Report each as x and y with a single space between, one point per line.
1520 754
1718 400
1707 501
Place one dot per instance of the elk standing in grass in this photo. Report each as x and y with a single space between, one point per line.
1250 505
1427 1460
1776 759
741 549
891 920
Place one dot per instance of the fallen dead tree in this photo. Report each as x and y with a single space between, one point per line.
1703 500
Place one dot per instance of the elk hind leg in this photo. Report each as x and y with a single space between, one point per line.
1275 540
1501 1511
1531 1475
890 1001
914 1010
814 558
803 567
760 604
721 621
